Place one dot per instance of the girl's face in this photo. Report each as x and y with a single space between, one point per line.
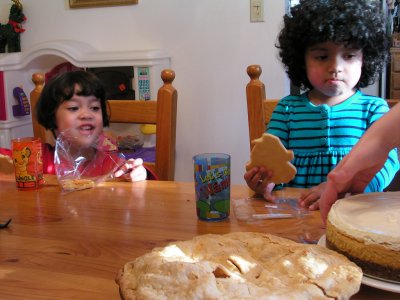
82 117
333 70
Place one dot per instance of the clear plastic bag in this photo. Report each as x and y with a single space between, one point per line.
302 228
83 162
283 208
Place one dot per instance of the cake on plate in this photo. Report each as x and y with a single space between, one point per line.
366 229
240 265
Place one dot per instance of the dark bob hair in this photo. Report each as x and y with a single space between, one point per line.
356 23
62 88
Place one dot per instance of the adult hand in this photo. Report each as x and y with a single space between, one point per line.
351 175
367 157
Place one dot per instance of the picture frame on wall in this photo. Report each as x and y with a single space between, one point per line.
99 3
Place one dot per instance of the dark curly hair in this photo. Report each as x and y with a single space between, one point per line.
355 23
62 88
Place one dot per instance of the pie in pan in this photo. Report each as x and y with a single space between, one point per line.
240 265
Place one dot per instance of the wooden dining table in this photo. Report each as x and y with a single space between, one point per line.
71 245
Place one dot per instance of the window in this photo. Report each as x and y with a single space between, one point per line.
291 3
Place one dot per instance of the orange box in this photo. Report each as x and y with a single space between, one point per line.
28 162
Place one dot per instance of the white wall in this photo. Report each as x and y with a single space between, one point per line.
211 43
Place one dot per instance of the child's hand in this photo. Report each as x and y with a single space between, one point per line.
310 198
259 180
133 170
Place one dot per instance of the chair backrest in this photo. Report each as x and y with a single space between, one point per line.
38 130
161 112
259 109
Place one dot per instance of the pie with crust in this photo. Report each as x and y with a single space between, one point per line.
239 265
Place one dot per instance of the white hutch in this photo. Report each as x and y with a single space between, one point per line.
16 70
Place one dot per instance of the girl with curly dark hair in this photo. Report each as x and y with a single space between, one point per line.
330 49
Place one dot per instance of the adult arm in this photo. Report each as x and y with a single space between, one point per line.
367 157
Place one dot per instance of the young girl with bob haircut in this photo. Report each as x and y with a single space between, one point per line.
74 104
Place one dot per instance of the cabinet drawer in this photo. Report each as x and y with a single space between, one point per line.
395 94
395 62
395 84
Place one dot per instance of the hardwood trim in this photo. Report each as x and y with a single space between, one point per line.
99 3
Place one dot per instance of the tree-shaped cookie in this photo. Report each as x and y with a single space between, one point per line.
269 152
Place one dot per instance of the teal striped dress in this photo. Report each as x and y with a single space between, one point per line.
320 136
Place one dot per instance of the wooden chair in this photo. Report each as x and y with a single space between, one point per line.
38 130
161 112
259 109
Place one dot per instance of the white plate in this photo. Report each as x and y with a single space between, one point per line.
374 282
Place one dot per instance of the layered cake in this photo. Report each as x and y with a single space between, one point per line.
366 229
240 265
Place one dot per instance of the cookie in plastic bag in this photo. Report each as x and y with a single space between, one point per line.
83 164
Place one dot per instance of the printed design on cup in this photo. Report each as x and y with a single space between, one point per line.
21 160
212 183
28 164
